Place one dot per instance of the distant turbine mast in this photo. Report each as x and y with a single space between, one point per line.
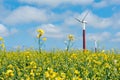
83 26
95 42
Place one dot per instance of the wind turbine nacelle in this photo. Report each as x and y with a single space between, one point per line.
84 21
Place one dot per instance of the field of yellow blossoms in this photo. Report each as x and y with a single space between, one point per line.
59 65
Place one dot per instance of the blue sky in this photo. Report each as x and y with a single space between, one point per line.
19 20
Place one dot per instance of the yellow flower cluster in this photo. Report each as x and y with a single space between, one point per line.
29 65
44 39
33 65
74 56
2 45
71 37
1 39
40 33
50 74
9 73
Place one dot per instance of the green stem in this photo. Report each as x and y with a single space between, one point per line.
68 46
39 45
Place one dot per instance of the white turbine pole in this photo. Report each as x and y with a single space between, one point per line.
84 25
95 45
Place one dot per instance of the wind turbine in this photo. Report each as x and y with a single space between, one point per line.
95 43
83 26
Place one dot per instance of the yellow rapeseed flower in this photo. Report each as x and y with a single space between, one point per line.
71 37
47 75
76 78
2 45
40 31
76 72
103 51
10 66
9 73
63 75
59 78
53 74
97 62
74 56
44 39
19 73
50 73
50 70
1 38
107 65
28 78
33 65
32 73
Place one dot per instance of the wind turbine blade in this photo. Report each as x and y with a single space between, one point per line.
85 16
78 20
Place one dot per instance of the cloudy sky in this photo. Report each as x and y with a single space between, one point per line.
19 20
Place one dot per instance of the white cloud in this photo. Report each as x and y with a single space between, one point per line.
5 32
113 2
51 31
115 19
81 2
70 21
98 22
100 4
98 36
116 40
105 3
54 3
116 37
117 34
26 14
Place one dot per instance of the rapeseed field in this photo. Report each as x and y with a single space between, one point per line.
59 65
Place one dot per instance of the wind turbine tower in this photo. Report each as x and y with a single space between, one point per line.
83 22
95 42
